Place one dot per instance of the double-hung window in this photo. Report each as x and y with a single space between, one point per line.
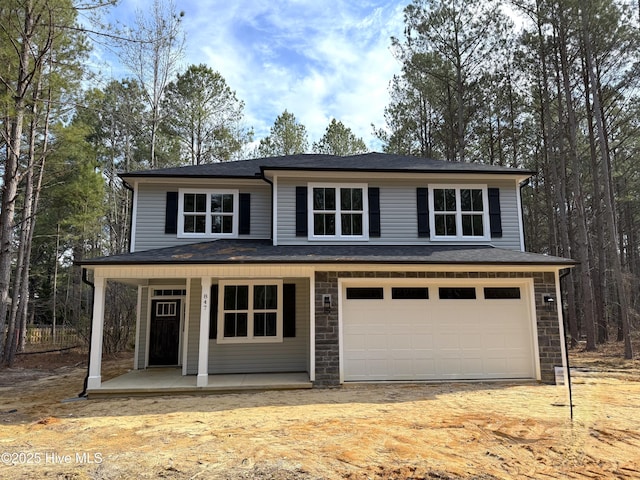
459 212
338 211
207 213
250 311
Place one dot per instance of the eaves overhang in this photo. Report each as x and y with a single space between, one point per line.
511 172
246 252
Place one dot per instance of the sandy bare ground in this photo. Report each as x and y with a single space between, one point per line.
444 431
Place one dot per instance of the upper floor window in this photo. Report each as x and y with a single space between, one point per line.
459 212
338 211
208 213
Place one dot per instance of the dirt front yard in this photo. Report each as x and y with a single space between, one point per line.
441 431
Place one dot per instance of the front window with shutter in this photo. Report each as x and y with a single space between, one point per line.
459 212
250 311
207 213
338 212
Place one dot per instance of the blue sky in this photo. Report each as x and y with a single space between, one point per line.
320 59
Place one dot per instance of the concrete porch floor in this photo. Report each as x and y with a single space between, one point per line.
168 381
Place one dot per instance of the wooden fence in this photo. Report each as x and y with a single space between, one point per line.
44 336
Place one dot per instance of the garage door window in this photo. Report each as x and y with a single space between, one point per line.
365 293
451 293
502 293
409 293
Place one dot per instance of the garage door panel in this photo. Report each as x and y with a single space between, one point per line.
449 341
448 367
376 342
429 339
410 354
402 366
496 342
470 342
377 367
355 342
496 365
422 342
472 367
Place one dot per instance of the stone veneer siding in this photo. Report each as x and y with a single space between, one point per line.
327 347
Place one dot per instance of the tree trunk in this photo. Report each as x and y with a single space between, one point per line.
11 174
20 308
557 173
599 270
582 234
607 204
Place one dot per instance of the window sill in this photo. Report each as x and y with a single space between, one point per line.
246 340
339 238
205 235
461 239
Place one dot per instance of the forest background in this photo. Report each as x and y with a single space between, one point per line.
545 85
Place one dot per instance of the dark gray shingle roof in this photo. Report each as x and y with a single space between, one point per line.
370 162
262 251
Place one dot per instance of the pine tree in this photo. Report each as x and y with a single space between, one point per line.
287 137
339 140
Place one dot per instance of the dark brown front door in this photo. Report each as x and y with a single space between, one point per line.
164 337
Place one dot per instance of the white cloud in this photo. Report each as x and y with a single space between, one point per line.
319 59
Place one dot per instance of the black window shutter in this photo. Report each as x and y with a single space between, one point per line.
213 313
423 212
301 211
374 212
171 213
495 220
244 219
289 310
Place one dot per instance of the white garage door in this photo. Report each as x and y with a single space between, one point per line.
434 331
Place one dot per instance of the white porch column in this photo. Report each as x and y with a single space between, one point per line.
97 325
203 350
312 327
137 342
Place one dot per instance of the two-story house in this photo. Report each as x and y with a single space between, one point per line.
371 267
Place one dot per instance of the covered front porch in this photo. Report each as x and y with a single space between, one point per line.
183 339
170 381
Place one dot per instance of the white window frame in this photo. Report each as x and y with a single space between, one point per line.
278 338
459 214
339 212
207 233
166 308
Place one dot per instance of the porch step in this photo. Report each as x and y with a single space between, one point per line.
155 382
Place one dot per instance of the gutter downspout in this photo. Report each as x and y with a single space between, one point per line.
86 281
523 184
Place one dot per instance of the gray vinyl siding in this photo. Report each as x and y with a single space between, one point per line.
398 212
144 323
292 355
150 215
510 217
